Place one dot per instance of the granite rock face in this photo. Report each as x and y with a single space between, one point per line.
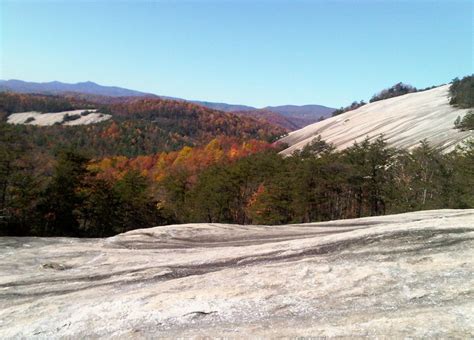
403 122
407 275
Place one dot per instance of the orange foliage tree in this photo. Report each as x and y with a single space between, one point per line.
192 160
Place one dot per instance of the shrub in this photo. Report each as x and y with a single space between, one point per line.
466 123
67 117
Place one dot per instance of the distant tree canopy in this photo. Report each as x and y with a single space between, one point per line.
462 92
394 91
191 119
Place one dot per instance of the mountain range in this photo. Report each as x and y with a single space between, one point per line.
290 117
56 87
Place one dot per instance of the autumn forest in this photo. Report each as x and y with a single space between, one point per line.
159 161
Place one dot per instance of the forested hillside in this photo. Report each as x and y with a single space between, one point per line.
138 127
273 118
14 102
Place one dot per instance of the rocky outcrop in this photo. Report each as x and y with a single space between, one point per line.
398 276
74 117
403 121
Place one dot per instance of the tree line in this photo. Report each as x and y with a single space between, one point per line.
319 184
72 194
224 182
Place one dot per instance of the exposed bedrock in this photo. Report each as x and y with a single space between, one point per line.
399 275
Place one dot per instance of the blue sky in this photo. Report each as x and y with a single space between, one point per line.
248 52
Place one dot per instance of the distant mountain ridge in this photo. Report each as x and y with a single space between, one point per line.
224 106
294 116
56 87
305 111
291 117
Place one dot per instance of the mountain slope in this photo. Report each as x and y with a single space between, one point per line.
404 121
407 275
273 118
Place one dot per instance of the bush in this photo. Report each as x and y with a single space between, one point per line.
67 117
466 123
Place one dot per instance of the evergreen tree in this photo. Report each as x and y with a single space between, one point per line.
100 213
20 185
422 176
462 183
213 196
462 92
371 175
137 208
62 198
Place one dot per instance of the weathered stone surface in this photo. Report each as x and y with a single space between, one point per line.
400 275
403 122
51 118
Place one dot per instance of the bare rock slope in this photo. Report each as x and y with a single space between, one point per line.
397 276
74 117
404 121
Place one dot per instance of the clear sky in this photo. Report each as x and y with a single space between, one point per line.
248 52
